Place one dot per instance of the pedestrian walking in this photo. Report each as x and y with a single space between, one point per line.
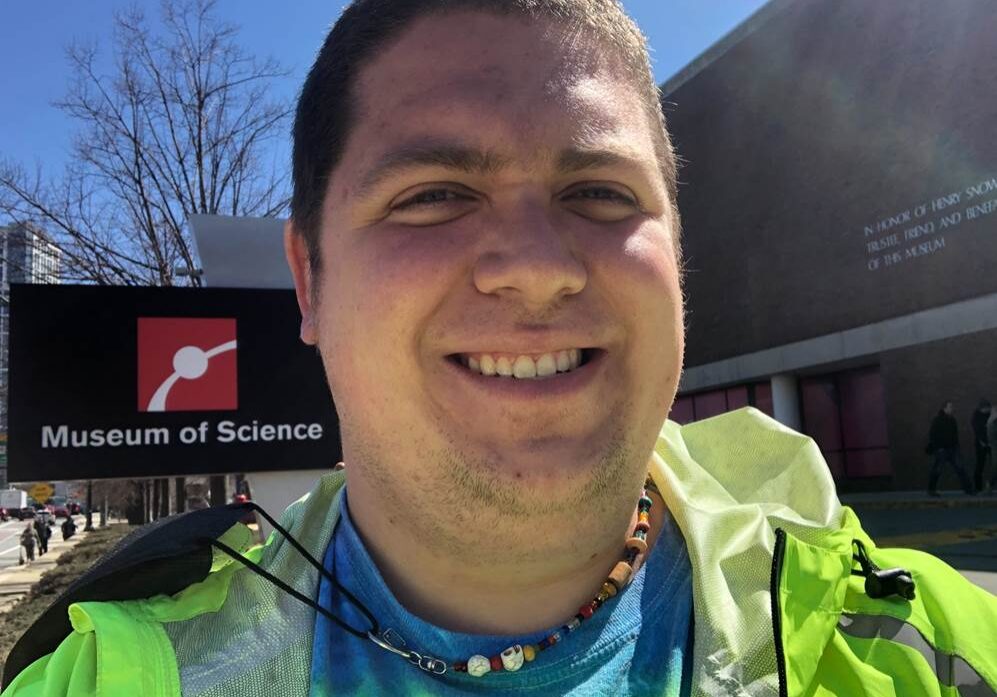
43 533
992 442
943 443
68 528
981 442
28 542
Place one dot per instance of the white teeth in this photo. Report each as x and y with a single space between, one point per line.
503 367
546 365
487 365
524 367
563 362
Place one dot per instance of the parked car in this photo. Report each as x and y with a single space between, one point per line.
27 512
60 512
74 508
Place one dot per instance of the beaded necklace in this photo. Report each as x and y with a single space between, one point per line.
514 657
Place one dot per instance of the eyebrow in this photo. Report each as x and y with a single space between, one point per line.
474 161
579 159
446 156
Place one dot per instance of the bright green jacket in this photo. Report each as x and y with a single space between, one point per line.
778 610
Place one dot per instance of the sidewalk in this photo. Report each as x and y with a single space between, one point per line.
16 581
917 499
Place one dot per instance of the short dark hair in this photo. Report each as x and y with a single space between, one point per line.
326 106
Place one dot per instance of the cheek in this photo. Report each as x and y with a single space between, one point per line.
380 287
641 275
641 269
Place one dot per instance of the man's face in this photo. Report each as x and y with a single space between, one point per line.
949 408
498 207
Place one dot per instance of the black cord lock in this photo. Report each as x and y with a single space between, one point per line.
882 583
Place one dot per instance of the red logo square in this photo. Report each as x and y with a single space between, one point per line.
187 364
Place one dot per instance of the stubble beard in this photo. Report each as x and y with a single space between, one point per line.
462 505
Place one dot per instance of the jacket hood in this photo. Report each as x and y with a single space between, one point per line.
730 482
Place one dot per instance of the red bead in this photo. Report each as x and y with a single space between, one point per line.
586 610
496 662
460 667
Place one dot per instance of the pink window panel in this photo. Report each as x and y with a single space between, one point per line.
869 463
820 412
863 409
763 398
737 397
710 404
682 411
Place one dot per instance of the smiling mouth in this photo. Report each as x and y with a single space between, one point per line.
524 366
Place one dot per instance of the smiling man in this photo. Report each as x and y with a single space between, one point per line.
485 246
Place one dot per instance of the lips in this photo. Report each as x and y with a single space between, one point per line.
526 366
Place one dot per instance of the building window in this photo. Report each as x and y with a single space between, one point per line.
845 413
703 405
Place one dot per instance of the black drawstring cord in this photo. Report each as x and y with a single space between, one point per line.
256 568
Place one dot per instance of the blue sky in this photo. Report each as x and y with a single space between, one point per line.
33 69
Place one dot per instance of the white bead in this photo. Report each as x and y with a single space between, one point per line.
512 658
478 665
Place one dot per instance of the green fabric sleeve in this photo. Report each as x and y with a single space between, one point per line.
70 671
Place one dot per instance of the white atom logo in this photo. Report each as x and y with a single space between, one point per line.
189 363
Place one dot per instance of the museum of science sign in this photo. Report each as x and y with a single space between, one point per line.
136 382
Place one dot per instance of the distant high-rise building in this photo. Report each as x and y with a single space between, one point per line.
27 255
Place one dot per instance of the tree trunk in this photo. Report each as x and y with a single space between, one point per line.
218 494
180 492
89 526
164 497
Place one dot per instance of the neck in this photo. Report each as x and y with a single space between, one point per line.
556 573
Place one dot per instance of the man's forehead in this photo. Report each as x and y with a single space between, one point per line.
487 57
490 93
494 111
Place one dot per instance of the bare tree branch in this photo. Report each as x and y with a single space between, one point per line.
178 128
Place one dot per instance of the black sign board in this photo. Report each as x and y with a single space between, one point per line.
135 382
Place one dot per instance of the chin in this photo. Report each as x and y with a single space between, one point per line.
546 474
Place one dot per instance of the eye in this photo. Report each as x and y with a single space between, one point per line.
432 205
602 193
601 202
427 198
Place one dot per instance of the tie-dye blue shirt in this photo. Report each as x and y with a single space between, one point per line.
639 643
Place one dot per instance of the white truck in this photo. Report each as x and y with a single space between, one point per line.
13 499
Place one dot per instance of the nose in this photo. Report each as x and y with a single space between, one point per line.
529 260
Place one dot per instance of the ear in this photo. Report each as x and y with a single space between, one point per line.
298 259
